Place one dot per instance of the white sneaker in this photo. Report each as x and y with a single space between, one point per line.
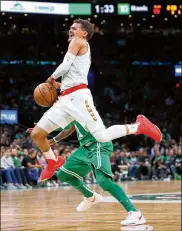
134 218
22 186
87 203
48 184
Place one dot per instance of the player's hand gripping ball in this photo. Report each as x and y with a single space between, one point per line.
45 94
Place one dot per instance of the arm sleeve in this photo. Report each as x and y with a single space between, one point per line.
64 66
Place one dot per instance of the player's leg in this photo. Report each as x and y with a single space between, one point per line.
134 217
54 118
75 180
100 157
73 171
39 136
141 126
106 183
84 111
99 153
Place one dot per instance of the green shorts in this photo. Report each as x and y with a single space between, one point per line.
86 158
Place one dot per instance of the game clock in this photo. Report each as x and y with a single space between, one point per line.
104 9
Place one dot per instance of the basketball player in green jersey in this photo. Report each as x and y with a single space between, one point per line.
93 155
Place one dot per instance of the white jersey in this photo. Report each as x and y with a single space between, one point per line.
78 71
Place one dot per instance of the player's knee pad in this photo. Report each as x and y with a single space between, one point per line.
105 184
101 136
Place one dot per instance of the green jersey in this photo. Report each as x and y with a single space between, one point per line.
16 161
159 159
84 137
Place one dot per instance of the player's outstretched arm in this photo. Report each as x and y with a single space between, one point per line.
62 135
74 47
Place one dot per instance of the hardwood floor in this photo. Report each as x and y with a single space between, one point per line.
54 209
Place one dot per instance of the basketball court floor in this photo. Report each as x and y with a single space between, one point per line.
54 209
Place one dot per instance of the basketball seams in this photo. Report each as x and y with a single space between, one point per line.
50 92
43 96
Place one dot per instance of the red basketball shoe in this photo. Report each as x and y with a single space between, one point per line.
148 128
52 165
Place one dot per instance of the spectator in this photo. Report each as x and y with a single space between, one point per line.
19 168
19 173
114 166
122 164
159 168
33 168
7 172
144 168
41 159
133 165
177 167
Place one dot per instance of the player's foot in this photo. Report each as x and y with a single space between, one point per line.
87 203
52 165
148 128
134 218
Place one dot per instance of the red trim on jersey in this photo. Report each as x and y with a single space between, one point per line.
72 89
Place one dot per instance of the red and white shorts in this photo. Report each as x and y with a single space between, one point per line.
77 105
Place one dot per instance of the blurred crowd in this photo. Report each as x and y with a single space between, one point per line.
121 89
21 161
161 162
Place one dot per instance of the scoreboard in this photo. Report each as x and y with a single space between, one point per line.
127 8
120 8
171 9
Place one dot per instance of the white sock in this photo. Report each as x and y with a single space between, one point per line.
50 154
132 128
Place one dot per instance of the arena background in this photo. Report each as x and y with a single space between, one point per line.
136 69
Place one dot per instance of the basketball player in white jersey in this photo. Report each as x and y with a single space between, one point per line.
76 103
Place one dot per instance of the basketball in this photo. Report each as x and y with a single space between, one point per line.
45 94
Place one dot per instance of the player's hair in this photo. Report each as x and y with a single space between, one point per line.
87 26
